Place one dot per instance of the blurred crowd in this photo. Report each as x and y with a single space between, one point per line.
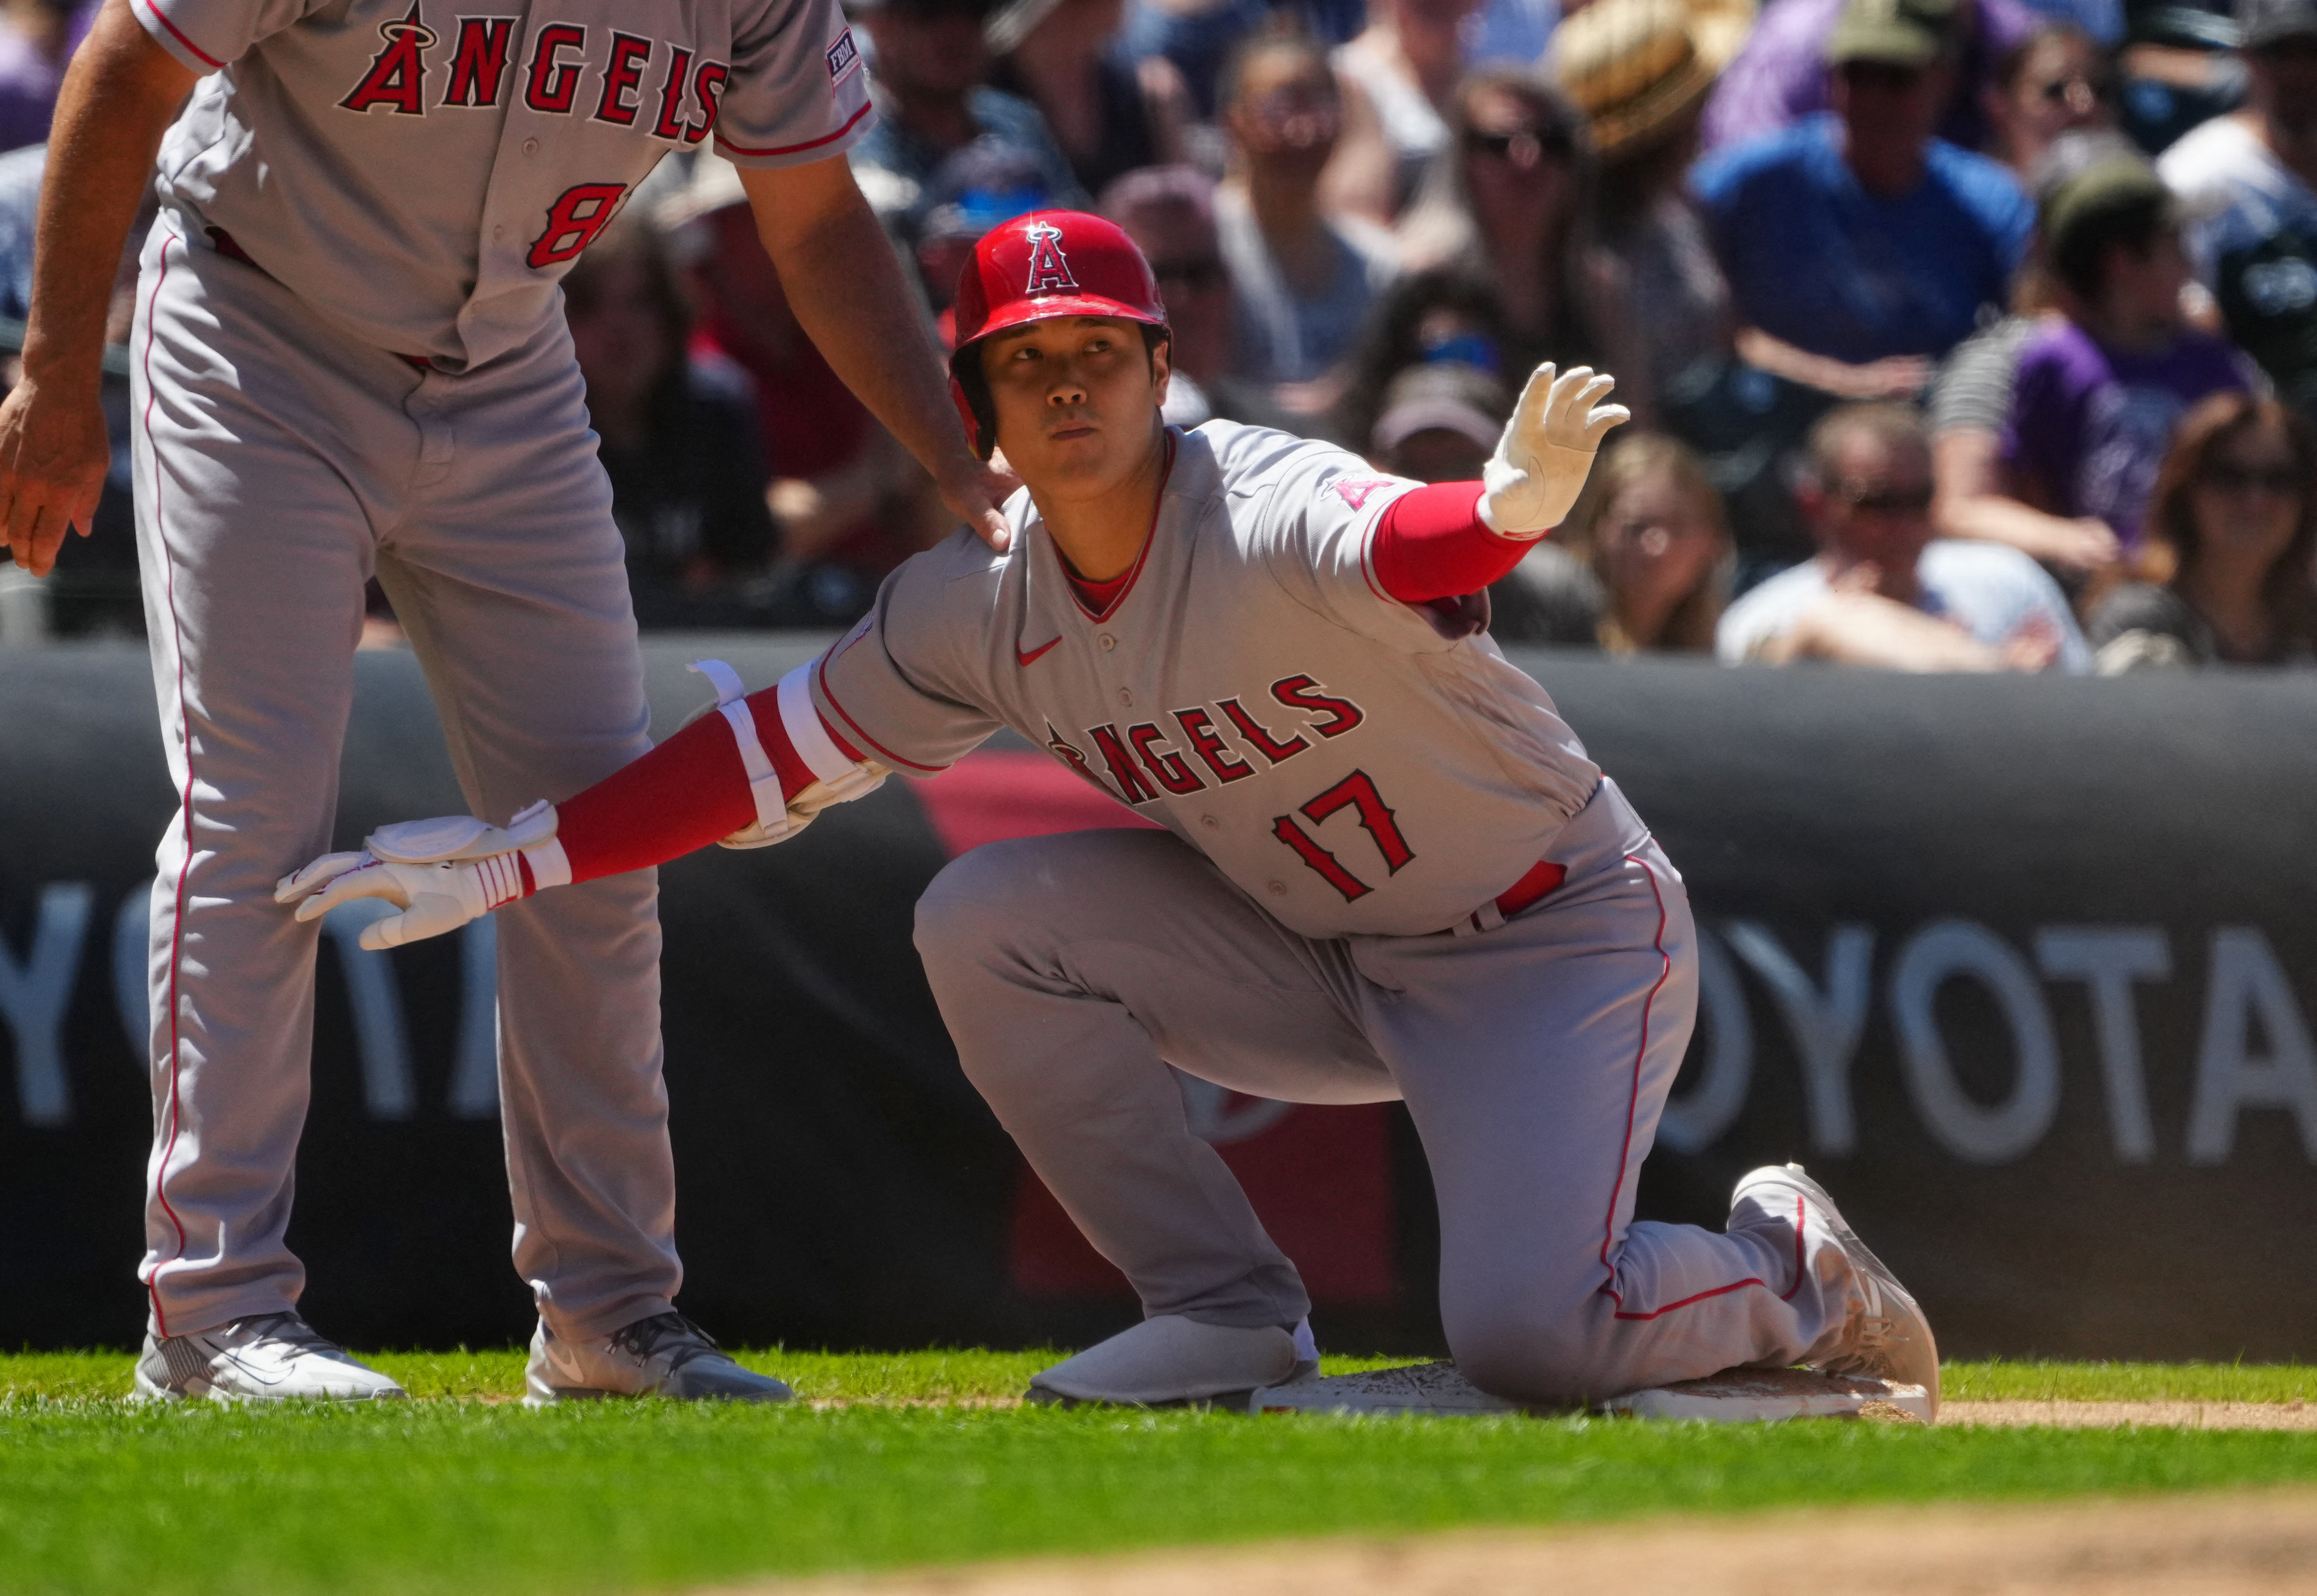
1959 335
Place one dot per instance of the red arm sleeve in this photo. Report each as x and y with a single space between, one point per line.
684 794
1432 543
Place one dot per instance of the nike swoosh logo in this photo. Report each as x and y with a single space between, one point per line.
1032 656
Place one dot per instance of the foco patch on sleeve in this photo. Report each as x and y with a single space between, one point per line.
844 58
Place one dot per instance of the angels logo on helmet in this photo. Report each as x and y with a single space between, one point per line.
1050 269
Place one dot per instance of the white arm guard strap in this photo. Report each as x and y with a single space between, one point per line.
763 781
837 779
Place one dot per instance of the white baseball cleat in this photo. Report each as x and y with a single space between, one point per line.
665 1355
266 1358
1883 1333
1171 1360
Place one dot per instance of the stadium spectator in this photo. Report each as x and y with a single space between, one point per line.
1652 529
1510 201
2230 533
677 436
1443 313
20 206
972 192
1640 70
846 496
1440 422
1858 247
932 100
1971 406
37 38
1195 37
1779 78
1302 278
1109 115
2054 81
2097 395
1397 76
2250 181
1169 212
1881 591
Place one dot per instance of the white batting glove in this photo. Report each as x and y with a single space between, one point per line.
441 874
1541 464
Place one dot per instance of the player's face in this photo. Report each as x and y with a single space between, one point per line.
1077 401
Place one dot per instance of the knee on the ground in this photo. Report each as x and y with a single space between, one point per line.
1515 1350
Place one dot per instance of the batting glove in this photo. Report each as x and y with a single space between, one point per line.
1542 462
441 874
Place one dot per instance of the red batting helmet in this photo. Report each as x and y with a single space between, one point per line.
1034 268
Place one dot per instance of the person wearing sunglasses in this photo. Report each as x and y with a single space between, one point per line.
2229 538
1859 246
1884 591
2054 82
1303 276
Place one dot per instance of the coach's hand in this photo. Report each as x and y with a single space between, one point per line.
53 455
976 494
1542 462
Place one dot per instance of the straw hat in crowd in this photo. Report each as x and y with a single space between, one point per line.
1639 69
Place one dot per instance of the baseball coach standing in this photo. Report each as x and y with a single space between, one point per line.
350 360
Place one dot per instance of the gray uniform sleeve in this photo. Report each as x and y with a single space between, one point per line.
799 90
904 686
1307 513
206 34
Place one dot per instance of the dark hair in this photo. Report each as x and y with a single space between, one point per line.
2080 253
973 381
633 237
1282 33
2012 65
2173 539
1390 340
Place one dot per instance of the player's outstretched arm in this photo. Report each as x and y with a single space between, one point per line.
755 773
119 96
845 285
1531 482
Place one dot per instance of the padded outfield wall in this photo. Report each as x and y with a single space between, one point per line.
2024 969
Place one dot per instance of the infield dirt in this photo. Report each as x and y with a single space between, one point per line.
2237 1544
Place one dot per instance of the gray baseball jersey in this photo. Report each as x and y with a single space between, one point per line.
1352 763
358 183
424 178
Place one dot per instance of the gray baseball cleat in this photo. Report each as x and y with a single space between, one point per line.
265 1357
1169 1360
1883 1333
665 1355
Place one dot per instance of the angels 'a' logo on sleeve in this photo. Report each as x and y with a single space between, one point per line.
844 58
1049 269
1355 491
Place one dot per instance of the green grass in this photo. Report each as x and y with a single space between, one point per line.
98 1497
970 1375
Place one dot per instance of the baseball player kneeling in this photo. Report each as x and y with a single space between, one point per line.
1388 869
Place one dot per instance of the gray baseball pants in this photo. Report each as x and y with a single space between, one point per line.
277 467
1533 1058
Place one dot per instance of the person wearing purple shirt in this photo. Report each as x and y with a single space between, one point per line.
36 41
2098 397
1780 78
